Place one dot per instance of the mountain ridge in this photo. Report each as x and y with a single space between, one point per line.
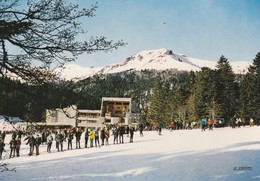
160 59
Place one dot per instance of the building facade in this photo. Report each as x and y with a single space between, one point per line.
116 110
62 116
89 118
113 110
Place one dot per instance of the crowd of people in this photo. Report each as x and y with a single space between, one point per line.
93 137
97 137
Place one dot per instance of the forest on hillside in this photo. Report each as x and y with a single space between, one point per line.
157 95
45 35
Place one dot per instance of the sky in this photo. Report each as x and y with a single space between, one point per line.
202 29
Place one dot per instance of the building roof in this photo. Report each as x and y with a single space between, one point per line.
123 99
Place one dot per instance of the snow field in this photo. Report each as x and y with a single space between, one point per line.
221 154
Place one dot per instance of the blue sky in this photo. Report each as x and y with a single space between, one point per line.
203 29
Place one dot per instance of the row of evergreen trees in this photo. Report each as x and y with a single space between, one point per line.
158 95
187 96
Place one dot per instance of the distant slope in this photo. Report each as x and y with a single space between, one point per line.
160 59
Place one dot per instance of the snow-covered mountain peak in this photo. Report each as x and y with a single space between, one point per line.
160 59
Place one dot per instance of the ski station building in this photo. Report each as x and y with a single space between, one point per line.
113 110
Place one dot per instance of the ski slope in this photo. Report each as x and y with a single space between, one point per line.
221 154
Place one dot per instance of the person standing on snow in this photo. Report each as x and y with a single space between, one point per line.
70 138
131 131
78 136
91 136
17 146
203 124
97 138
251 122
115 133
121 134
141 128
12 147
2 146
210 123
102 136
107 135
159 128
49 142
86 137
31 142
38 142
59 141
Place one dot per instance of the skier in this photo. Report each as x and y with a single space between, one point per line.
107 136
251 122
171 126
3 135
91 136
127 130
78 136
86 137
49 142
141 128
31 142
2 146
203 124
159 128
211 123
17 146
38 142
97 138
12 147
70 138
102 136
131 131
121 134
115 133
59 141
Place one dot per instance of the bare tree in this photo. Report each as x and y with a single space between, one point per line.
215 110
43 32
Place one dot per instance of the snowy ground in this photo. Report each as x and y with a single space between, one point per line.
222 154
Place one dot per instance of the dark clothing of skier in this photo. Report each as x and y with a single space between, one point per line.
12 147
131 131
70 138
17 146
38 142
159 128
141 128
115 133
121 134
86 138
49 143
31 142
78 136
97 138
102 136
2 146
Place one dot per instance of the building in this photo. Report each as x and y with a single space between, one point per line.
113 110
62 117
89 118
116 110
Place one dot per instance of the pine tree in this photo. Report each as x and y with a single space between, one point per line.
250 90
155 111
205 91
227 88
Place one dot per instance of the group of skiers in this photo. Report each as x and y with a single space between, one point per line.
92 136
15 144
